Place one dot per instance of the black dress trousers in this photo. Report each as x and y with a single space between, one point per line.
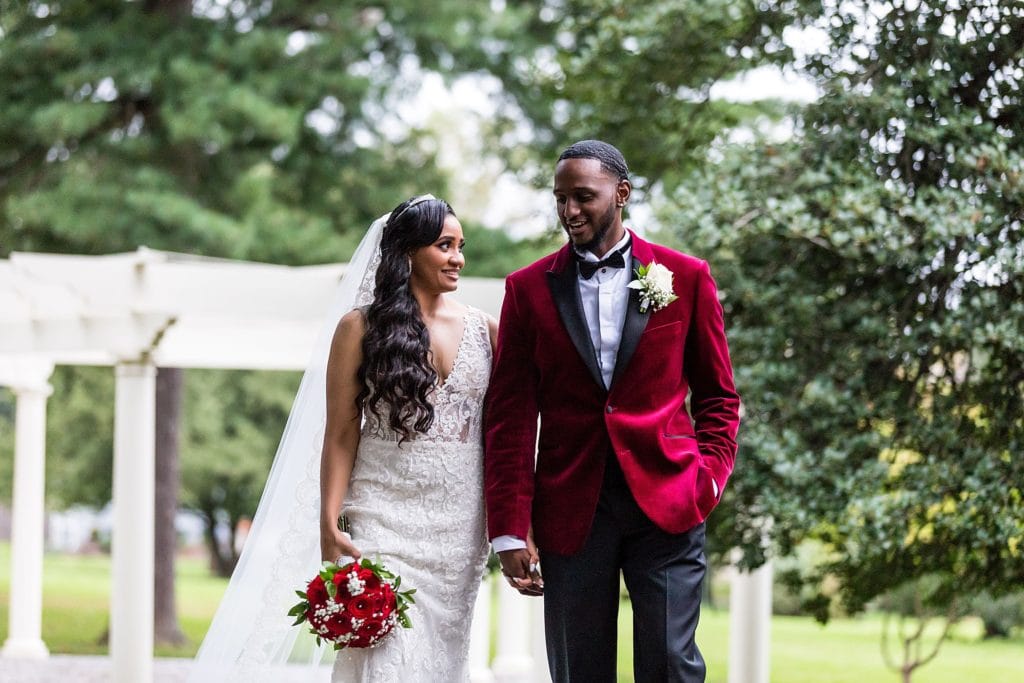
663 574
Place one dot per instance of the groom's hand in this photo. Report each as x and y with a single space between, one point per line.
521 568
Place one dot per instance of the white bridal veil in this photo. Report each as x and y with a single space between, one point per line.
251 637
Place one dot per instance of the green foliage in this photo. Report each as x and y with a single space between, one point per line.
870 272
247 131
232 426
639 74
7 403
1000 616
491 253
791 594
80 437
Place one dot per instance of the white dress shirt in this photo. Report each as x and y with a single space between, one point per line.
604 298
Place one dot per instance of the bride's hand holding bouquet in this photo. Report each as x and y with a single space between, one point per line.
336 543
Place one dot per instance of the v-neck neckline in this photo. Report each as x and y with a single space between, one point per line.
458 353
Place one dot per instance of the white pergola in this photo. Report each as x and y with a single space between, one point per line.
146 309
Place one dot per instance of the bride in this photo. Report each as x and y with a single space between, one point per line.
389 434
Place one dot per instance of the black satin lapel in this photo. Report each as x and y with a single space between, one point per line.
632 328
566 294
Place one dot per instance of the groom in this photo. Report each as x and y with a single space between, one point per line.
623 474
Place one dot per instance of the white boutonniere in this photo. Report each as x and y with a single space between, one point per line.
654 282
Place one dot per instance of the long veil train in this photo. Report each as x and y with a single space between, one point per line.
251 637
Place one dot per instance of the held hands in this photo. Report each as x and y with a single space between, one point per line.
521 568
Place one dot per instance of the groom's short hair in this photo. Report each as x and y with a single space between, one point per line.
609 156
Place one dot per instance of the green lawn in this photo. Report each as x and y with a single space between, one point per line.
76 601
849 651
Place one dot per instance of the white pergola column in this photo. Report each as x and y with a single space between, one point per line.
24 633
512 661
131 602
750 616
480 638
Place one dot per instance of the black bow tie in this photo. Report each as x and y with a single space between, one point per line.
612 260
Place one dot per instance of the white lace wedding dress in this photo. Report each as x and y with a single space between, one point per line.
418 508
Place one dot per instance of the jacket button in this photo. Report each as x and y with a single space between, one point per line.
610 409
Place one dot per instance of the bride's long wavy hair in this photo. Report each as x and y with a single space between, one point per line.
396 373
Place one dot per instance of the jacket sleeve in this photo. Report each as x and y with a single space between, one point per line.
510 422
714 403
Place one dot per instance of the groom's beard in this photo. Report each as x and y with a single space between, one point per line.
605 225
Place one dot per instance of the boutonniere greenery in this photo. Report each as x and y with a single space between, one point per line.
654 282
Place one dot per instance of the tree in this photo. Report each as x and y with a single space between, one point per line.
242 130
870 270
233 425
169 393
639 74
914 605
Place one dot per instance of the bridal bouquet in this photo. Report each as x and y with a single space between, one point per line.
354 605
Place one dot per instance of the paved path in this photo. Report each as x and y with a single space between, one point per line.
83 669
97 669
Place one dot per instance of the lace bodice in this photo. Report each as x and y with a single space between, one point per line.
458 402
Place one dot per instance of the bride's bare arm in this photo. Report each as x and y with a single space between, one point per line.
341 435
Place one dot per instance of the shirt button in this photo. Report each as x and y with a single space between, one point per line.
610 409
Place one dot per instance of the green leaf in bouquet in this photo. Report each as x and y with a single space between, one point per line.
299 619
300 608
301 594
332 590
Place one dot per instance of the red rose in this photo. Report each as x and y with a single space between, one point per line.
372 583
373 628
361 606
340 580
316 591
383 603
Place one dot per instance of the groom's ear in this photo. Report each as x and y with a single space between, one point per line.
622 192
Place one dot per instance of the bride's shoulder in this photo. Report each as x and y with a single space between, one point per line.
484 321
351 327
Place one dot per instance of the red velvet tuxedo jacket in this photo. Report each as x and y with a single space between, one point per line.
546 365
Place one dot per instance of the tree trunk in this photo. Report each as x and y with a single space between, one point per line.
222 560
169 382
